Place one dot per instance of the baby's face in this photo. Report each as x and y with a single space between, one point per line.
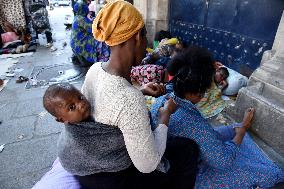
219 76
73 108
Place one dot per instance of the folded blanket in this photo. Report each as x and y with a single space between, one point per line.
11 44
91 147
212 103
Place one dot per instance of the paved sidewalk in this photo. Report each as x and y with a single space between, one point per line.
28 132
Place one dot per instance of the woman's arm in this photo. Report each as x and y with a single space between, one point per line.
153 89
144 147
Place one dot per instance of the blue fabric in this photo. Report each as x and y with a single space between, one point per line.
224 164
82 41
169 87
163 61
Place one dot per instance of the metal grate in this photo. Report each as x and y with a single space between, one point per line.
45 75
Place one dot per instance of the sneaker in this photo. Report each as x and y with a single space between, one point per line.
53 48
48 45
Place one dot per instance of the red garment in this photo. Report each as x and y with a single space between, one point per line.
170 77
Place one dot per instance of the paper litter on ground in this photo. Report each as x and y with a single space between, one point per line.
6 64
2 147
10 74
18 70
3 56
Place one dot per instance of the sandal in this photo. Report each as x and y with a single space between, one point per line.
21 79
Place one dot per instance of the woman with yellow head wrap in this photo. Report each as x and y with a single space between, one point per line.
116 103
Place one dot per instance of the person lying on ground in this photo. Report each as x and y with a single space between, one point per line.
157 72
220 77
159 36
165 49
229 158
9 34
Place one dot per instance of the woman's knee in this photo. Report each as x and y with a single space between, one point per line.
182 153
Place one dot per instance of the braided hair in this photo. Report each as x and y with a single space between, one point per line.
192 70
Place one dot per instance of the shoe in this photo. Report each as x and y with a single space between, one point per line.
53 48
48 45
22 79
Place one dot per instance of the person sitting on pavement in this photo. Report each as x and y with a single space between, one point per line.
37 15
229 157
69 106
86 49
116 102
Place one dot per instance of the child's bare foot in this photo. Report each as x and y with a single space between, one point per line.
246 121
248 117
241 131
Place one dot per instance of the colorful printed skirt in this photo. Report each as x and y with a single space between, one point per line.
148 73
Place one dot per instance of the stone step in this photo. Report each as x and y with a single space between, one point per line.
268 119
270 92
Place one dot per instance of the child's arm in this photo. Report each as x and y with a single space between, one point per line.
151 58
223 84
217 65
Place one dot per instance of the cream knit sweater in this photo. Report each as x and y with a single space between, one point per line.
116 102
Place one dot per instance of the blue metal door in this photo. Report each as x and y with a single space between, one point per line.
237 32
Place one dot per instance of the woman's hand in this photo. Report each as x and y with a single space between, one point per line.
165 112
153 89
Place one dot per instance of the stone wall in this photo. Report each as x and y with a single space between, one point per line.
155 14
265 92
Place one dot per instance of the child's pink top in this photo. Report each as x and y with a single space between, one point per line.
9 36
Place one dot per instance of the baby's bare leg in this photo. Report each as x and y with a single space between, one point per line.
241 131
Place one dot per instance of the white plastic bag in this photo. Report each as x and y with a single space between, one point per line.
235 82
42 39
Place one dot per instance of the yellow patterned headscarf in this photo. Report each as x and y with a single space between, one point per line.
117 22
